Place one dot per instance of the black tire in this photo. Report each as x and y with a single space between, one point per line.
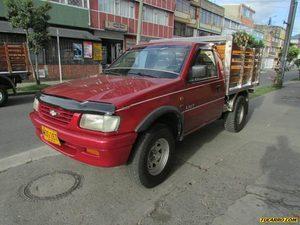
138 168
232 120
3 97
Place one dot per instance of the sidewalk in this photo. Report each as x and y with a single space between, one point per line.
53 82
220 178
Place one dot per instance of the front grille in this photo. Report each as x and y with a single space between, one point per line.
59 115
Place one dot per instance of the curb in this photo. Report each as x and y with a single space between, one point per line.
26 157
24 93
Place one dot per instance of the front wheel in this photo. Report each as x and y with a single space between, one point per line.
153 155
3 96
235 121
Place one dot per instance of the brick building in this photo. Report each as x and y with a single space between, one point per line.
93 32
115 22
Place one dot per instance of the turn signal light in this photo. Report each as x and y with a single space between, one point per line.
93 152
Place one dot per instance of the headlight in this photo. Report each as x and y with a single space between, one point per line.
36 104
102 123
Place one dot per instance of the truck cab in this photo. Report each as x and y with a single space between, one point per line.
134 113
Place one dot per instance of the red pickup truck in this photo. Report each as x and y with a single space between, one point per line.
150 97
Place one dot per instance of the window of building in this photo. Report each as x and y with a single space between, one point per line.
183 6
180 29
78 3
234 25
193 12
227 23
156 16
189 32
247 13
122 8
211 18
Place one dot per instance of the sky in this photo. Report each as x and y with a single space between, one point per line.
277 9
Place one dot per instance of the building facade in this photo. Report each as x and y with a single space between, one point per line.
240 12
211 18
273 39
230 26
93 32
70 24
186 18
116 21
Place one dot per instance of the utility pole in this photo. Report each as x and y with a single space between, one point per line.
288 34
58 54
139 28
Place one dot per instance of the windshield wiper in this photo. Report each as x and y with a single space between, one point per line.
110 72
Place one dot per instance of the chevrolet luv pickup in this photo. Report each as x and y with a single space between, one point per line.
148 99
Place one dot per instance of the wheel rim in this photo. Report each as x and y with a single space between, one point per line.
240 114
158 156
1 96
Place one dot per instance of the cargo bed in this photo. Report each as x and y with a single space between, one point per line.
241 65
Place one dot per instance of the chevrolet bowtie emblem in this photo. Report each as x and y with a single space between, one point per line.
53 113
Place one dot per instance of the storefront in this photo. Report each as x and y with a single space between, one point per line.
113 38
79 51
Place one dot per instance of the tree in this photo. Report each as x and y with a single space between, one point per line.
297 63
34 20
293 53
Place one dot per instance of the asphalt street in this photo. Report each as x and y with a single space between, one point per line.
16 131
219 178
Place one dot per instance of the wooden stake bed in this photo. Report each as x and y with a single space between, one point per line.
13 59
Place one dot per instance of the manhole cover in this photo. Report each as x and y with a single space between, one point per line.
52 186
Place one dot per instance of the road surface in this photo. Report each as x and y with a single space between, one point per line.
220 178
16 131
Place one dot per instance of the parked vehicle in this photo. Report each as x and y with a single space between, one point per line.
14 68
152 96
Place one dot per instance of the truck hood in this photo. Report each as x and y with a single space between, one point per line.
117 90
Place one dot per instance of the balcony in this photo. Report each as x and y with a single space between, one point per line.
182 17
195 3
210 28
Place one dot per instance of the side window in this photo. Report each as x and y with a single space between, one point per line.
204 66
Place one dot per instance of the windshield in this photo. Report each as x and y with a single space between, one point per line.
153 61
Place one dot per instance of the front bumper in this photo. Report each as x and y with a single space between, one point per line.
113 150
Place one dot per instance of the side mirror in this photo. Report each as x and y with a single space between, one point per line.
198 72
105 66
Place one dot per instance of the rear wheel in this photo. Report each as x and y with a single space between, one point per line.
153 155
3 96
235 121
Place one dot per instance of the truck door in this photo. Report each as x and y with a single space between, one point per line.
204 93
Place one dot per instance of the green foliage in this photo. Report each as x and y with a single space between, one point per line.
293 53
33 19
243 39
297 63
262 90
